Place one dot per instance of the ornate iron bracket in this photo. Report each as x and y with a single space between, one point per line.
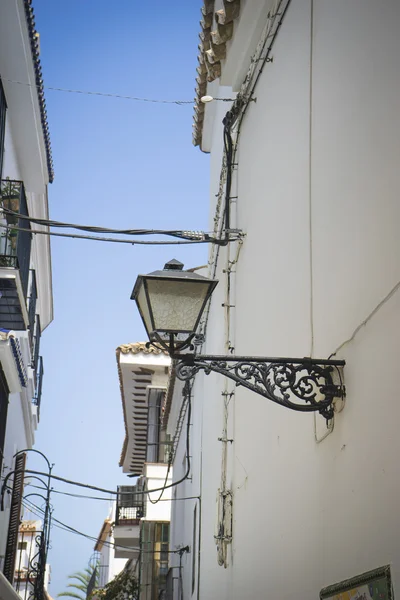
302 384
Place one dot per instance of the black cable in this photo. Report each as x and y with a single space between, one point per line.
238 111
64 527
115 240
180 576
180 233
164 484
93 487
53 491
264 62
187 391
113 492
105 94
228 144
60 525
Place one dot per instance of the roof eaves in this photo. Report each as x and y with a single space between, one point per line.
105 530
121 387
134 348
34 41
212 50
138 347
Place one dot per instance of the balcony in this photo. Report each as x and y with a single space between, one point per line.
129 512
15 254
35 344
39 383
32 311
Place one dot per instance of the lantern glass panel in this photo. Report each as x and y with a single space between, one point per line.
176 304
144 308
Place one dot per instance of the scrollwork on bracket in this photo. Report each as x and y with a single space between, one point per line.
304 386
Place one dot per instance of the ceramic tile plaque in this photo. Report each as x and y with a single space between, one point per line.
373 585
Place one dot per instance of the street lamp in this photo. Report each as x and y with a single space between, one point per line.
171 303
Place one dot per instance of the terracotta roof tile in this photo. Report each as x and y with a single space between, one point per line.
140 347
212 50
34 39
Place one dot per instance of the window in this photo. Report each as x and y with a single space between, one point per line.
153 425
22 545
3 109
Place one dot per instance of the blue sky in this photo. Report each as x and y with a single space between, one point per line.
120 164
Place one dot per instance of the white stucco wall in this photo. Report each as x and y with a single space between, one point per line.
24 153
16 168
24 160
306 515
11 167
109 566
157 506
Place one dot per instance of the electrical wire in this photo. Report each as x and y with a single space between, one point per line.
93 487
113 492
115 240
83 496
165 483
53 491
187 392
64 527
110 95
103 94
36 510
187 389
98 229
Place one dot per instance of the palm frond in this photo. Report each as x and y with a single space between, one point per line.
81 587
80 577
71 595
79 581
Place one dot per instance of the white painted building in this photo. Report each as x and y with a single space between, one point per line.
26 301
108 564
141 529
286 503
26 558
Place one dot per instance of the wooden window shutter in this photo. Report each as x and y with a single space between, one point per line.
15 517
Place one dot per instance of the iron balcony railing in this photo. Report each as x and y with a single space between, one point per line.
130 505
35 346
15 234
39 384
29 574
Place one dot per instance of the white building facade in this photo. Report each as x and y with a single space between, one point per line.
282 503
26 301
142 520
108 565
26 559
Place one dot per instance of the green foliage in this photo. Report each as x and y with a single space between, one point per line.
123 587
10 188
79 583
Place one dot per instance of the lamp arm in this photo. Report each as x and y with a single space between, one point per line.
301 384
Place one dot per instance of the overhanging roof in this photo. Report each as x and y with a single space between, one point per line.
216 30
34 42
139 369
103 535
